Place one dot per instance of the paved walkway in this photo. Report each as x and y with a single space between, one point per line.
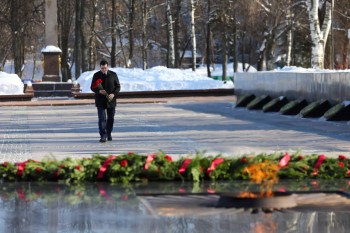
177 126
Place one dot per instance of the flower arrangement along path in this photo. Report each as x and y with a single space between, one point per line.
178 127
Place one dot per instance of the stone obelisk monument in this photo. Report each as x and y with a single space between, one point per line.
51 51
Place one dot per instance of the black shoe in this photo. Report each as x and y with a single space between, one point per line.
102 140
109 138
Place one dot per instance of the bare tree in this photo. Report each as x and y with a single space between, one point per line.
341 34
132 9
320 16
144 34
208 38
113 34
21 25
170 32
78 35
193 36
65 21
177 31
92 22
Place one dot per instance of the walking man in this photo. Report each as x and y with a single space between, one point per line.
105 84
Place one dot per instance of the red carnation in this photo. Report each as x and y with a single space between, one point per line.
341 164
244 160
38 169
57 174
284 161
210 190
77 167
168 157
342 157
98 85
123 163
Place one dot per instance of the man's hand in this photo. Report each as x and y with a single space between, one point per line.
103 92
111 96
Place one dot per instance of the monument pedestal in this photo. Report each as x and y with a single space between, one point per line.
52 89
51 64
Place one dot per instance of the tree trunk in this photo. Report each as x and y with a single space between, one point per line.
120 36
262 56
289 35
243 50
65 13
177 40
170 32
289 47
208 38
319 30
144 38
114 35
270 52
193 37
224 48
92 39
84 45
77 44
17 38
131 32
235 51
345 53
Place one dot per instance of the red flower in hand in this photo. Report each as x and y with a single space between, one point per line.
98 85
123 163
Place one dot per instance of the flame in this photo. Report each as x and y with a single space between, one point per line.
248 195
266 225
264 173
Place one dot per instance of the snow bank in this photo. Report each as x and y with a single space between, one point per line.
157 78
306 70
10 84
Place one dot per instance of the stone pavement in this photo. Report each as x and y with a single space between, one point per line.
178 126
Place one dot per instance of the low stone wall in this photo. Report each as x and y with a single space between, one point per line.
333 86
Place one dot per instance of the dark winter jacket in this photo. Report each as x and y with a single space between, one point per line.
110 84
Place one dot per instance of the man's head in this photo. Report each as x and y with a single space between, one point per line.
104 66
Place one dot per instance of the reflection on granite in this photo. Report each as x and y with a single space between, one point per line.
101 207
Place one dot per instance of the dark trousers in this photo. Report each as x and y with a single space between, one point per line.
105 121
